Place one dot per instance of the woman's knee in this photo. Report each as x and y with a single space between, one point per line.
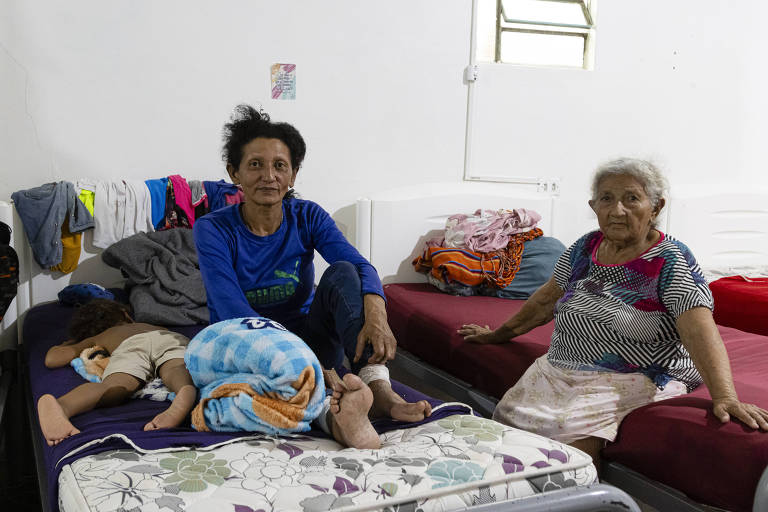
341 270
340 280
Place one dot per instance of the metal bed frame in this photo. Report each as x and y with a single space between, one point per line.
36 435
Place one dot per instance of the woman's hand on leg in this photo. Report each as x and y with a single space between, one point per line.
380 336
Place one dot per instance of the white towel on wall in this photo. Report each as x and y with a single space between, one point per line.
138 208
120 209
107 213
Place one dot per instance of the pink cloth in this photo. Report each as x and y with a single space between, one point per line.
183 196
487 230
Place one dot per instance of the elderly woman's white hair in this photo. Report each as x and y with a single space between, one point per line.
650 177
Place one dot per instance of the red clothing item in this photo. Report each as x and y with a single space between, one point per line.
741 303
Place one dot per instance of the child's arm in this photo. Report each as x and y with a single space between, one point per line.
61 355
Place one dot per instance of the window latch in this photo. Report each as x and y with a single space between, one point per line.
470 73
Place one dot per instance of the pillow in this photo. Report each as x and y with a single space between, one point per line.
536 267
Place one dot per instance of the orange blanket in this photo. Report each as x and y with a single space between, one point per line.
470 268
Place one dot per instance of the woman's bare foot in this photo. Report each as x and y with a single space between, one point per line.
387 403
53 421
349 414
177 412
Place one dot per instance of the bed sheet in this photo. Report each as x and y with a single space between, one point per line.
679 442
450 464
424 321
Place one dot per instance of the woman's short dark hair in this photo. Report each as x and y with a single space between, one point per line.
95 317
247 124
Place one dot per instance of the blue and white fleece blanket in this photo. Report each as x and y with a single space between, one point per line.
254 375
152 390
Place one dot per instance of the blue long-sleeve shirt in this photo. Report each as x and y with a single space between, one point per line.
245 274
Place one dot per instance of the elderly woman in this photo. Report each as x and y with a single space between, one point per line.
256 259
633 323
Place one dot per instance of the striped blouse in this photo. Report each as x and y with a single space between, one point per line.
622 317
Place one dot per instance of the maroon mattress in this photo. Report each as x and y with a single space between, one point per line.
424 322
677 442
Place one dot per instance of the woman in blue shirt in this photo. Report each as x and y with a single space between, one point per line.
256 259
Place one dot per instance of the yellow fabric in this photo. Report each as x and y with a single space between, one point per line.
70 249
86 196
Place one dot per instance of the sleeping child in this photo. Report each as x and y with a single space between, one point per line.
137 353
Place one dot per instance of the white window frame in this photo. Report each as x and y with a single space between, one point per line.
584 31
542 184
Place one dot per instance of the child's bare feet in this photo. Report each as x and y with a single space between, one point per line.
177 412
53 420
387 403
349 414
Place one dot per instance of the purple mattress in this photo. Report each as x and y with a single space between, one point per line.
45 325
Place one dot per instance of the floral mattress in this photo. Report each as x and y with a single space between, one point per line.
449 464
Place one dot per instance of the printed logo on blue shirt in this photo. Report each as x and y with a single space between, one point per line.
294 276
276 293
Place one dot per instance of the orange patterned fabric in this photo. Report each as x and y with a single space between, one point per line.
281 413
471 268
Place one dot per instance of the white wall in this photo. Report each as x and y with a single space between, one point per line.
680 82
141 89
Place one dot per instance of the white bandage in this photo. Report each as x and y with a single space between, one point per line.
373 372
322 419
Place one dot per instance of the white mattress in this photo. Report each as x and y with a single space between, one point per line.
449 464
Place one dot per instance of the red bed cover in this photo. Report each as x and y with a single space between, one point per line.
677 442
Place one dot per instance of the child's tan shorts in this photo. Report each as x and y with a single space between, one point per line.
142 354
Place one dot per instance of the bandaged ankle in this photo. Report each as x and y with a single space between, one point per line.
322 419
373 372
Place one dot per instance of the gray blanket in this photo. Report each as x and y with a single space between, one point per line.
164 282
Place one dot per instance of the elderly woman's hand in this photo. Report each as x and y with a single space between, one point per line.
750 414
481 334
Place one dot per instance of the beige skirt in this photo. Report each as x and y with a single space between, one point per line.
567 405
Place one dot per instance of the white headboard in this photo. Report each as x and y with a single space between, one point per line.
723 228
392 226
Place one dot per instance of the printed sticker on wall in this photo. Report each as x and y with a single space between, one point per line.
283 81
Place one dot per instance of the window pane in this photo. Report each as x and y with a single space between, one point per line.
541 10
485 31
542 49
